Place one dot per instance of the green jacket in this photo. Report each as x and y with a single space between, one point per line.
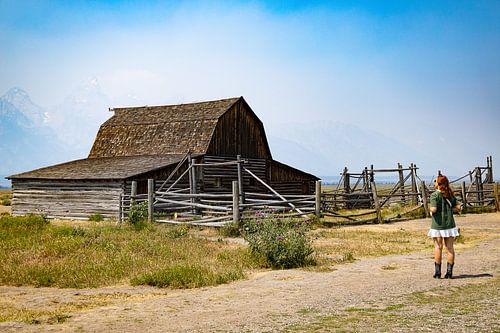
443 218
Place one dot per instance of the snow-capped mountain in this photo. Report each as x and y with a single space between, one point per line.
33 137
25 141
77 119
20 99
11 117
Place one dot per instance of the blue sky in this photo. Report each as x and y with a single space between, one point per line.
423 72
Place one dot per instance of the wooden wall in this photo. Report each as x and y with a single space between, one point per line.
239 132
219 179
66 199
288 180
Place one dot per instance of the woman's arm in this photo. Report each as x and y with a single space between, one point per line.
434 202
457 208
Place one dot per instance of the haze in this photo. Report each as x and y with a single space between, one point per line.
423 73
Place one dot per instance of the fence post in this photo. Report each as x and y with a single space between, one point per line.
194 190
401 182
491 170
489 161
240 180
478 186
425 198
318 199
372 181
414 183
133 191
151 198
236 200
464 197
497 199
366 180
347 180
376 202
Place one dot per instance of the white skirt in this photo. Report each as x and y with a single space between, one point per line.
453 232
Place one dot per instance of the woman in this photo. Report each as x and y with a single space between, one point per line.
443 228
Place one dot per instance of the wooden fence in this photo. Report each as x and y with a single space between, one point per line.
171 204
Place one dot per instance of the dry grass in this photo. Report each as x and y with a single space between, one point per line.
339 244
57 310
5 201
335 244
100 254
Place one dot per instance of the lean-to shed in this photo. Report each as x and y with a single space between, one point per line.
138 143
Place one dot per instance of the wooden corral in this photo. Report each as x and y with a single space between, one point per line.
141 143
359 191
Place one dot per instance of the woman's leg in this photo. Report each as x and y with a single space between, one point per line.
438 249
448 243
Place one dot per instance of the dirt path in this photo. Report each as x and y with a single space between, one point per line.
278 300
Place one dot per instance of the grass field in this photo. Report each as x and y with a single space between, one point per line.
38 253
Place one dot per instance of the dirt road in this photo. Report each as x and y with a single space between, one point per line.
380 293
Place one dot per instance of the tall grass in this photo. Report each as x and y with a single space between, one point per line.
34 252
5 198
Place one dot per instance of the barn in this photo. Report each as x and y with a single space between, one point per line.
140 143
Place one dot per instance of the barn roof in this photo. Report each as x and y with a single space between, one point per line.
160 130
102 168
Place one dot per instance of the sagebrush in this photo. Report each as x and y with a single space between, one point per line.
283 243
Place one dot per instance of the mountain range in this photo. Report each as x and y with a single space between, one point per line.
32 137
325 148
25 140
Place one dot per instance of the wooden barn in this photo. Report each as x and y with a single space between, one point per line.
140 143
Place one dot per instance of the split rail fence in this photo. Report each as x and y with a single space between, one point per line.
358 197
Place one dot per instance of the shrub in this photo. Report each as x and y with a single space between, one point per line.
96 217
6 199
138 214
282 243
230 230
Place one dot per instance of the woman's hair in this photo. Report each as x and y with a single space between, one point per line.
443 185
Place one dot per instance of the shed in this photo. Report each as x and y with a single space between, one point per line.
138 143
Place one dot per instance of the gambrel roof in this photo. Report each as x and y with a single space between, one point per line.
160 130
